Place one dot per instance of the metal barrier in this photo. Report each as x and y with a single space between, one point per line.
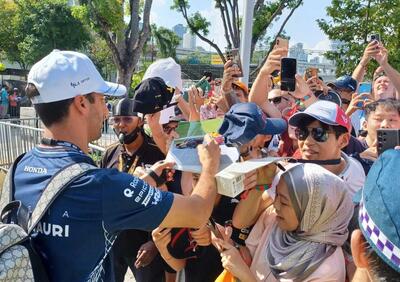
21 135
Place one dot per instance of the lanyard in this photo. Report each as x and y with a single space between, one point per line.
53 142
132 167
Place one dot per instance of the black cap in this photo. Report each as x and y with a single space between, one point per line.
124 107
152 95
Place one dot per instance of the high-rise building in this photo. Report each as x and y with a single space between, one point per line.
189 41
298 52
179 30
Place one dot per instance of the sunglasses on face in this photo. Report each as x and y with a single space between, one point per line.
277 100
319 134
169 129
118 120
345 101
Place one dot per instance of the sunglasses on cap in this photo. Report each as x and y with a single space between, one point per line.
119 119
319 134
277 100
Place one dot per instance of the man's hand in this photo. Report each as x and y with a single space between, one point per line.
370 51
371 153
266 174
202 236
357 102
209 154
382 56
250 180
229 76
273 61
302 88
161 237
146 254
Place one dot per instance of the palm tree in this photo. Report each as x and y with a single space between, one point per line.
167 41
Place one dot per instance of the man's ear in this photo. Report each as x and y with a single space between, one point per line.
358 249
80 104
344 140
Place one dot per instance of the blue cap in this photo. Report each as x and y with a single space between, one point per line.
379 218
344 82
245 120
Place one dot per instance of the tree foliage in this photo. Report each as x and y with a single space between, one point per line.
351 21
166 40
266 13
31 29
125 27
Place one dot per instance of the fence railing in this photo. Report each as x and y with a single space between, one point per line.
21 135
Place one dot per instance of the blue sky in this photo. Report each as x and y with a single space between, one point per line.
302 26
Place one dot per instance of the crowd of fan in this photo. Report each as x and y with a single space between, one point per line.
327 213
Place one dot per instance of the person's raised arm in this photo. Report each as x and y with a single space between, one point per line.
392 74
262 85
153 120
371 50
194 211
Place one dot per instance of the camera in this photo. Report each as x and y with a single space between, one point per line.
374 36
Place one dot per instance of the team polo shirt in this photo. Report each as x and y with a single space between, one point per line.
77 232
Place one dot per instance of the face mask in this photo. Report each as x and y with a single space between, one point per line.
129 138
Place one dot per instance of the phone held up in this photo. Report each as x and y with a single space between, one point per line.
288 72
388 139
374 37
364 88
282 43
234 55
204 85
310 72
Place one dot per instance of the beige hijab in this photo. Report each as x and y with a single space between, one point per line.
323 208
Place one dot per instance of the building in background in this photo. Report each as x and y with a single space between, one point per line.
298 52
189 41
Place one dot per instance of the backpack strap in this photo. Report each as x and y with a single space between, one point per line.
56 185
7 194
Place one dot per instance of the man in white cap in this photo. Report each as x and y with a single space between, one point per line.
75 235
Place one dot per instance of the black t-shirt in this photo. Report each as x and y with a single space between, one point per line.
148 153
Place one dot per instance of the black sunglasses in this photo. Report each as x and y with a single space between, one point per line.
345 101
277 100
319 134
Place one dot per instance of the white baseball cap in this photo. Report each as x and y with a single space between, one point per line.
66 74
168 70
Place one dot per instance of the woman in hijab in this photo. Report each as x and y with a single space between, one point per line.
299 238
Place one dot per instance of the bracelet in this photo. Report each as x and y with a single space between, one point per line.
239 236
160 180
262 187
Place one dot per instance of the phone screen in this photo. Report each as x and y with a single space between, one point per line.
364 87
288 72
204 85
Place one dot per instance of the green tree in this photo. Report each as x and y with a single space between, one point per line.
124 25
351 21
166 40
265 14
31 29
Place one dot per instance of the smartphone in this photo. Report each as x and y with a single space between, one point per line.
234 55
310 72
374 36
288 72
364 88
204 85
282 43
214 229
388 139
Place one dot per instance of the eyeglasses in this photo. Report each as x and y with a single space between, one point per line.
277 100
319 134
117 119
345 101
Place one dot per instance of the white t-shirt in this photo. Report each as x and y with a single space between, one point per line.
353 174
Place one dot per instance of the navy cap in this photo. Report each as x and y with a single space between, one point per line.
331 96
344 82
379 218
245 120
